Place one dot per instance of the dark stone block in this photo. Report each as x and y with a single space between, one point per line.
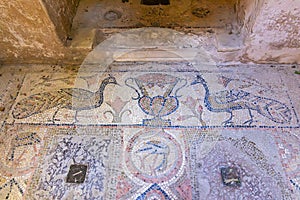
155 2
77 173
231 176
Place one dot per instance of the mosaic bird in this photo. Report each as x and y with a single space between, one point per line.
230 100
69 98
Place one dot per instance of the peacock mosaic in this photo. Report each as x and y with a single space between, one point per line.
155 98
161 130
150 123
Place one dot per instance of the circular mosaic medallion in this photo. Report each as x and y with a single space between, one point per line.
153 157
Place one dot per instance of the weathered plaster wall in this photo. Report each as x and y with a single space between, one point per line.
35 31
61 13
247 12
27 34
275 35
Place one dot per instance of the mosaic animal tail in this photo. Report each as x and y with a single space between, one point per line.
69 98
230 100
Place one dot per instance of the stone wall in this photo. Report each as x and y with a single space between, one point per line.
61 13
28 34
275 34
36 31
247 12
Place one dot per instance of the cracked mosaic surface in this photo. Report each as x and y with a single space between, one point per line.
150 123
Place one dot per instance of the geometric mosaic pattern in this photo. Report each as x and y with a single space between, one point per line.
149 115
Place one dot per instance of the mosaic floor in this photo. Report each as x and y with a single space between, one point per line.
149 115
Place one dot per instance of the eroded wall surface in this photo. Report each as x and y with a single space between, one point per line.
36 31
61 13
27 34
275 33
247 12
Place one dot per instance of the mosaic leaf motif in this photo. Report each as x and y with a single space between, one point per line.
23 140
19 158
158 106
117 112
197 111
155 94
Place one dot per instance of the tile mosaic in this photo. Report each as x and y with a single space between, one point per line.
154 165
20 149
97 150
149 118
33 97
10 85
13 188
53 99
287 141
291 80
157 162
156 98
246 161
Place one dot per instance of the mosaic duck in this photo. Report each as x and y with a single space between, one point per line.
69 98
230 100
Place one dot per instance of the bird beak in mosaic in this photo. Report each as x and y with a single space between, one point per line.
199 79
116 83
194 82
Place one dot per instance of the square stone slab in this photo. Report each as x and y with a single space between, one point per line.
230 176
76 173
